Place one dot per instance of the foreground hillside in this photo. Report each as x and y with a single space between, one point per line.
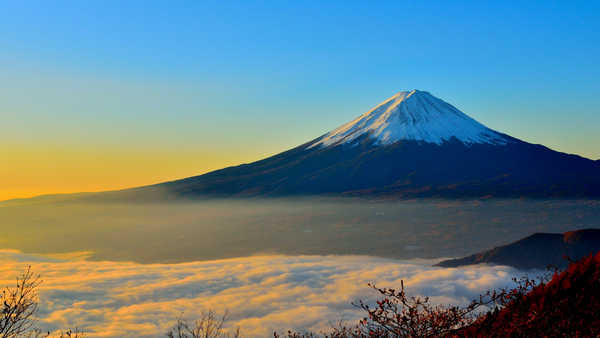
568 305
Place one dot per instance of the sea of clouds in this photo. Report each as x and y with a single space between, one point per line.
261 293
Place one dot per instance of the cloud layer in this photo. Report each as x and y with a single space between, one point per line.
262 293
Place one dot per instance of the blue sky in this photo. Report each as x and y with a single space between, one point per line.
207 84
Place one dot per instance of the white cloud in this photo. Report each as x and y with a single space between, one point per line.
262 293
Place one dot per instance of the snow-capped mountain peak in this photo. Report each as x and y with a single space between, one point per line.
413 115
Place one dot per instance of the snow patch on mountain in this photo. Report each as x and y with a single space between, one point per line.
413 115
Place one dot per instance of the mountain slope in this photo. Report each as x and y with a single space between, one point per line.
411 145
537 251
405 169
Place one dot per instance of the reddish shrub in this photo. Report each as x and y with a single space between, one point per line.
568 305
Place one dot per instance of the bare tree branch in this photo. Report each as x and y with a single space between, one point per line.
19 304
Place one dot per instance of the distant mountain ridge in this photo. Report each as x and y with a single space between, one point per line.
537 251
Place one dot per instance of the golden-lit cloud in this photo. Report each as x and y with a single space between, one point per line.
262 293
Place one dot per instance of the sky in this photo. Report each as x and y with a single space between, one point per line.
111 94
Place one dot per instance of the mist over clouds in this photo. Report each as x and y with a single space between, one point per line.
262 293
216 229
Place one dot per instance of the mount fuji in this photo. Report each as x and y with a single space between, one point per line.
412 145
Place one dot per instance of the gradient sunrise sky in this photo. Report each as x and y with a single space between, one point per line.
98 95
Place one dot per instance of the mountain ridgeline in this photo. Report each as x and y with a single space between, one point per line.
411 145
537 251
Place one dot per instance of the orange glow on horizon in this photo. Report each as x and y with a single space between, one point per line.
42 170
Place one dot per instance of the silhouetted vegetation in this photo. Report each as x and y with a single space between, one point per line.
209 325
63 334
19 304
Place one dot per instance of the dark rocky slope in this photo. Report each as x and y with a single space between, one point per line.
537 251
